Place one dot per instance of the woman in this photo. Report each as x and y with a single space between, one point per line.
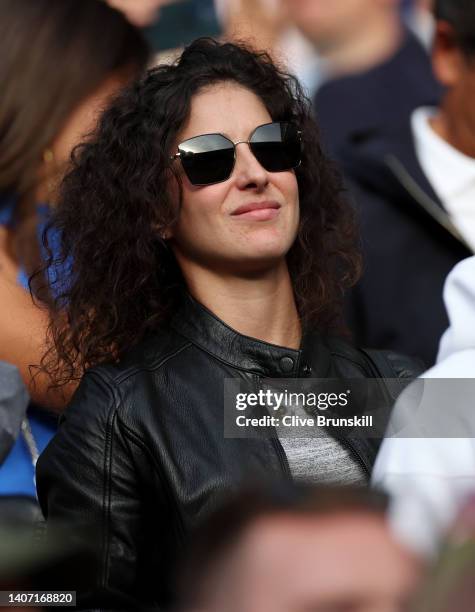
208 241
52 93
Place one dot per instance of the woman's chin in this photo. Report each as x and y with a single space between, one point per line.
259 263
271 248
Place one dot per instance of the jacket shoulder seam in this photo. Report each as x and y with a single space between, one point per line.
115 398
347 358
121 377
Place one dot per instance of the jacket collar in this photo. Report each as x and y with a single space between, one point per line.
204 329
385 162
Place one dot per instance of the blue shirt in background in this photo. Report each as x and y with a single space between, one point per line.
17 471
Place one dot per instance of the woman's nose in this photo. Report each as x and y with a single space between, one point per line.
249 172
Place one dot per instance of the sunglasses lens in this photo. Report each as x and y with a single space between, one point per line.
277 146
207 159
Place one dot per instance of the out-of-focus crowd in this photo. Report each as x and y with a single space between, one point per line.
391 85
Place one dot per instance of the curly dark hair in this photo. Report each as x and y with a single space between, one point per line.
122 281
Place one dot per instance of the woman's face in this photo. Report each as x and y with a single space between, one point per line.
213 231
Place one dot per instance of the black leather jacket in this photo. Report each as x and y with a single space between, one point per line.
140 455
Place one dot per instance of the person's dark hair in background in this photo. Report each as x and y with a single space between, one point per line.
135 285
454 64
332 544
414 187
460 14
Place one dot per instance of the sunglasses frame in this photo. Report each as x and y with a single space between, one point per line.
235 144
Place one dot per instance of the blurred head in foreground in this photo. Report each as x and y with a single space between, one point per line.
300 549
454 65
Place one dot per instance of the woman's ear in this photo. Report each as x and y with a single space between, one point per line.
166 234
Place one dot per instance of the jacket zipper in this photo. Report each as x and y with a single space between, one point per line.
284 462
282 456
355 454
352 451
431 208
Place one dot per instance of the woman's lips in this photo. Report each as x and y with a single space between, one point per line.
262 211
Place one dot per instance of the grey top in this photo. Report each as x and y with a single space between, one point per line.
320 459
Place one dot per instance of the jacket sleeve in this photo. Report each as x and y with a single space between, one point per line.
88 488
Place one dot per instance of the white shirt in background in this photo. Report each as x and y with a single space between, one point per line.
429 478
450 172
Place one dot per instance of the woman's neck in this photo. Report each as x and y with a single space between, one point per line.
261 307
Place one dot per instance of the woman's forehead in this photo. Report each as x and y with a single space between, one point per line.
226 108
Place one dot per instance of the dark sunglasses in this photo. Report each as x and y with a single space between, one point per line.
210 158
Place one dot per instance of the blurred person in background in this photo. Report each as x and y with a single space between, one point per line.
169 25
375 68
414 185
208 240
298 548
266 25
60 62
428 468
257 22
